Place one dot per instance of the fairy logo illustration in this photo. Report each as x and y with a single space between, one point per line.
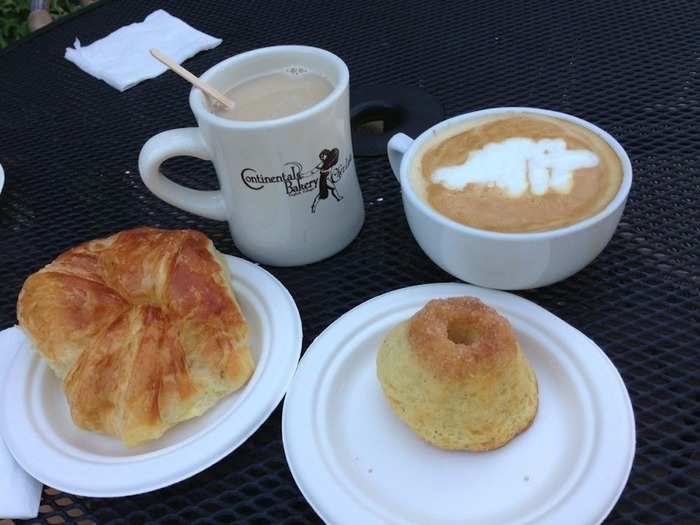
321 179
329 158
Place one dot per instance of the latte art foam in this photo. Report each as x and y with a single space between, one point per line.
516 172
518 164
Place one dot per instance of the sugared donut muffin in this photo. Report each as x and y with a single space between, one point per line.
456 375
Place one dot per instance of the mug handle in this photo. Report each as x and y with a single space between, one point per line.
396 148
174 143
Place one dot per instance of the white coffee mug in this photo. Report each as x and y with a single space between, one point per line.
289 189
507 261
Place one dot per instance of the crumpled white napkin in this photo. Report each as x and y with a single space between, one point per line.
19 492
122 59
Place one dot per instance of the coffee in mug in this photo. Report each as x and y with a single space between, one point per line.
288 185
275 95
516 172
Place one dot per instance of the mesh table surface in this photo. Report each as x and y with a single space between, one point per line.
69 146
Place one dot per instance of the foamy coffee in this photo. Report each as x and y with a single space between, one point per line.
275 94
516 172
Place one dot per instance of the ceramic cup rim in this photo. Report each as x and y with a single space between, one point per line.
202 112
617 201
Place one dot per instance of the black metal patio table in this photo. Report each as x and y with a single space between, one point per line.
69 145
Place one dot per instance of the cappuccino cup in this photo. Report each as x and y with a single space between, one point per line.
512 198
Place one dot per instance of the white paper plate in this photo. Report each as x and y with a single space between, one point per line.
356 462
38 429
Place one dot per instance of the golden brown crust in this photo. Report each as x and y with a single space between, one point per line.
455 374
142 326
488 334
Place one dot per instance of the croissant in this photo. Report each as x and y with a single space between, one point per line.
142 327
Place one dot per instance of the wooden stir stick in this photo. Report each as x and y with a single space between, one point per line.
177 68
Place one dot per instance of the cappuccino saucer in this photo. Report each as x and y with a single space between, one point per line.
356 462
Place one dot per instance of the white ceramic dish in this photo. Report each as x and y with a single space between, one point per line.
356 462
2 178
38 430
